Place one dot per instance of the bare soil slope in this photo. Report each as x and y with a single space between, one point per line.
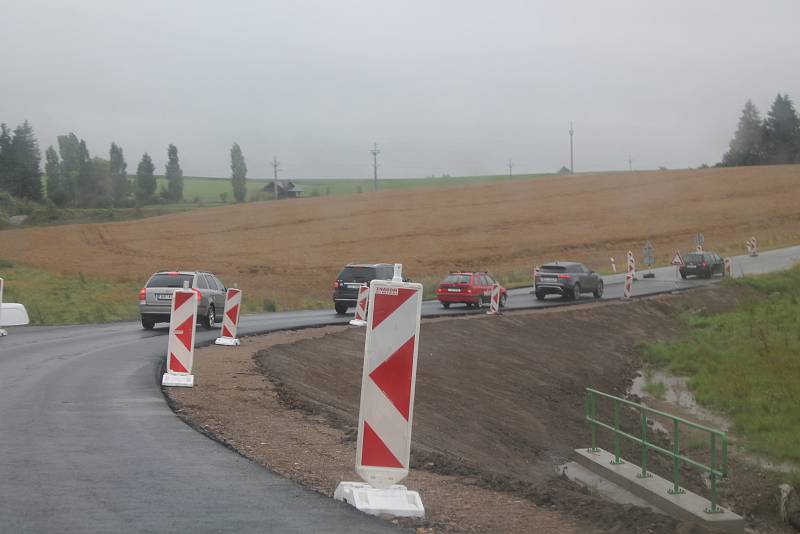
290 251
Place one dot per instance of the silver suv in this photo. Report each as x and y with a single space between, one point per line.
155 298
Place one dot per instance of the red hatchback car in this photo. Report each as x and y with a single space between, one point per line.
470 288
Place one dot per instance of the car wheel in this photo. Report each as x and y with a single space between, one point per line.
479 304
576 292
503 300
209 319
684 276
148 324
598 293
445 305
539 295
341 309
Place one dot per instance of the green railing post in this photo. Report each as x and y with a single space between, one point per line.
593 404
676 463
616 461
714 508
644 473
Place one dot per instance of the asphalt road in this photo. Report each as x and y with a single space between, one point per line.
88 443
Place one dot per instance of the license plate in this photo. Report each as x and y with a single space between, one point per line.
164 296
691 265
549 278
353 286
454 290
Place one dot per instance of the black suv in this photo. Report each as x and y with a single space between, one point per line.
568 279
345 288
702 264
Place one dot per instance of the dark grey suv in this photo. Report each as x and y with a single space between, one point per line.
345 287
155 298
567 278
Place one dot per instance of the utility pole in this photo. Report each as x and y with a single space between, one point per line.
375 153
630 162
275 168
510 168
571 160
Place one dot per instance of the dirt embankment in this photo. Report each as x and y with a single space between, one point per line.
499 402
290 252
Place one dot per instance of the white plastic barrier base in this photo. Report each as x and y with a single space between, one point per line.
396 500
3 332
358 322
185 381
228 341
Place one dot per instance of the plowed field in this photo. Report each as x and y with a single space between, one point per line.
290 251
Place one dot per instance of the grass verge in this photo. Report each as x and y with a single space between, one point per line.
54 299
746 363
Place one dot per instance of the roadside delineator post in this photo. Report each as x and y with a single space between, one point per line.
494 301
361 306
230 318
629 276
387 401
180 347
728 268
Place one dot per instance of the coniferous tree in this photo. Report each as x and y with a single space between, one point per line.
782 132
118 169
238 173
5 156
52 167
25 176
145 180
174 175
747 145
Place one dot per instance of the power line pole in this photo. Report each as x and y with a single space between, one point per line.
275 168
571 160
375 153
510 168
630 162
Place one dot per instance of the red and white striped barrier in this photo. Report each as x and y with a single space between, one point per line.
11 313
613 265
230 318
387 401
494 300
180 348
629 276
361 306
698 248
728 268
752 247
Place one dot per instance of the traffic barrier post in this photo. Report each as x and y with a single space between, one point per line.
494 301
728 268
629 276
387 401
180 347
2 331
230 318
361 306
613 265
752 247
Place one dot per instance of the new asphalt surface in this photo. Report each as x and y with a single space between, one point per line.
88 443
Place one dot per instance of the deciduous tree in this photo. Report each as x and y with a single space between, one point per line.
145 180
118 169
238 173
174 175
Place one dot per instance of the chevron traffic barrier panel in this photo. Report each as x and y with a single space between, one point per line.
230 318
629 276
494 301
2 285
387 401
728 268
752 247
180 347
361 306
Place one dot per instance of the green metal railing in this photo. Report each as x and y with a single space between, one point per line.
718 469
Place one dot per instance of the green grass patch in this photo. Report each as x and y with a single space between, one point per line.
746 363
53 299
655 389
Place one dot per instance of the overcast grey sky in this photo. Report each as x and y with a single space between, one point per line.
442 86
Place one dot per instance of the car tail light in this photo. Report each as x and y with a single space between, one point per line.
197 292
142 295
704 264
564 276
336 284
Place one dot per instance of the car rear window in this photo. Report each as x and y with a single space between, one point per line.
357 274
552 268
693 257
169 280
456 279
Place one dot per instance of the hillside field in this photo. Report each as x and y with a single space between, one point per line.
286 254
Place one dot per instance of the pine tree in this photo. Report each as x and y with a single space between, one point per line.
5 156
145 180
747 145
238 173
174 175
782 132
118 169
52 167
25 176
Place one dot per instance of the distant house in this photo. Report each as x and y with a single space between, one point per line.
286 189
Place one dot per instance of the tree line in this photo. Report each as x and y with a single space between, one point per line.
773 140
74 178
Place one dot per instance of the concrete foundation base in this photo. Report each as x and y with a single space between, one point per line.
686 506
185 381
396 501
227 341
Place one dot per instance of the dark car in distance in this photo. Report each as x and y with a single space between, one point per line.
345 287
702 264
568 279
